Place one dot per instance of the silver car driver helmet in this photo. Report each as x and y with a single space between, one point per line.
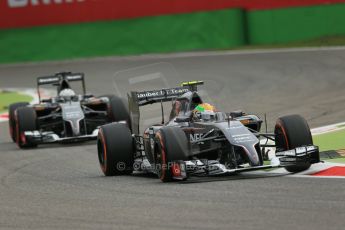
67 93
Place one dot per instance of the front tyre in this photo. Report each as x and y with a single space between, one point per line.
171 146
12 120
291 132
26 120
115 149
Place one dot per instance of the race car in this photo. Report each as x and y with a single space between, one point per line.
64 118
198 140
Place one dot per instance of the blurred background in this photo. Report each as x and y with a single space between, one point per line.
35 30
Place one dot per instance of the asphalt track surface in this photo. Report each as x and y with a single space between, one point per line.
61 186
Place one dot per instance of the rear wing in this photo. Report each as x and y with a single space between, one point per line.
48 80
57 80
137 99
154 96
163 95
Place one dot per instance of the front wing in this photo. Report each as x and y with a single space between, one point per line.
297 156
50 137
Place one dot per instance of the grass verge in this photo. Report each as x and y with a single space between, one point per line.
7 98
340 160
330 141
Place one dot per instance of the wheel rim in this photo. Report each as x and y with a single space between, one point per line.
17 132
22 138
281 138
11 130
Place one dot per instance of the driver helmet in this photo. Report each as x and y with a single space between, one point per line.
67 93
204 112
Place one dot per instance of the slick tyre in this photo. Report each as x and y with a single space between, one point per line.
12 120
118 110
26 120
291 132
171 145
115 149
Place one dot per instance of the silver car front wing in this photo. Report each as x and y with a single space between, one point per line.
51 137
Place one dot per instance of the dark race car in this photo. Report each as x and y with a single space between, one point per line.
200 141
67 117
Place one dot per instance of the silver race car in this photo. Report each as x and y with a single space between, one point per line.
198 140
66 117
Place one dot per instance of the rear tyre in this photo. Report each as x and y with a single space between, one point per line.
115 149
118 110
12 120
291 132
26 120
171 145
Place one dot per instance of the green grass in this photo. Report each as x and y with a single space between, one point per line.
341 126
340 160
7 98
330 141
